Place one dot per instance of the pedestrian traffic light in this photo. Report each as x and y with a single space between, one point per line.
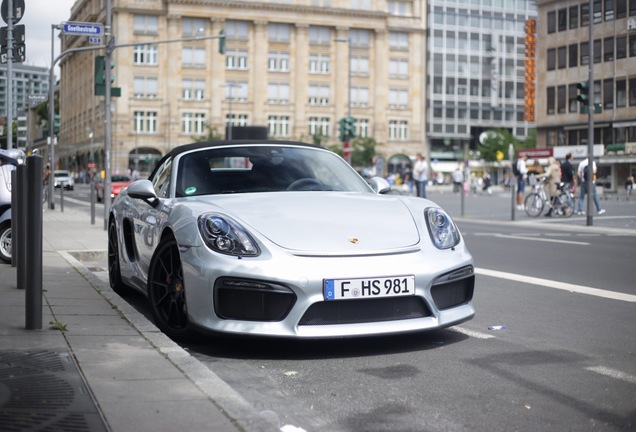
584 96
351 127
342 129
56 124
222 41
100 78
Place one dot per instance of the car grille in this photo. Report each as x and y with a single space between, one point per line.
454 289
365 311
250 300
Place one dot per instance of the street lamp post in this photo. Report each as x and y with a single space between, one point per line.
347 144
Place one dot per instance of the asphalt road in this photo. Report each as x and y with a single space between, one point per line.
552 347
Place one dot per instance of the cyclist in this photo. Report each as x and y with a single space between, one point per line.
552 175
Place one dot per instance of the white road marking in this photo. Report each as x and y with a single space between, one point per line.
524 237
613 373
558 285
471 333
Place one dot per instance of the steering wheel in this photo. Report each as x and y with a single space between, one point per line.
305 184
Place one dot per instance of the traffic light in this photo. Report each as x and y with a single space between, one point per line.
584 96
56 124
342 129
100 78
351 127
347 128
222 41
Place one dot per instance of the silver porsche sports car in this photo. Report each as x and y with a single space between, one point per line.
285 239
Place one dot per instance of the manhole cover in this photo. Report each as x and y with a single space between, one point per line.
44 391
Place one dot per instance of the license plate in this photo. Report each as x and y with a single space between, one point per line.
348 289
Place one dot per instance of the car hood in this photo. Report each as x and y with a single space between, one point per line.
325 222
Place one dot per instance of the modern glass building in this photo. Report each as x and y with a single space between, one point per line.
30 84
477 72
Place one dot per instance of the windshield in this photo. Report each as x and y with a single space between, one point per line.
264 168
61 174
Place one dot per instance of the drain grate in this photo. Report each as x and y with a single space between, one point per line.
44 391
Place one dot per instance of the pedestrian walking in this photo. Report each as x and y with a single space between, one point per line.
458 180
567 173
583 173
629 185
520 170
420 174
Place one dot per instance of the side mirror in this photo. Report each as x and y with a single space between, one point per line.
380 185
143 190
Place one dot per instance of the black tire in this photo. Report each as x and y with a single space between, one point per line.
5 242
114 269
167 293
533 205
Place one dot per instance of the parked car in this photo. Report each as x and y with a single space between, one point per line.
277 238
117 182
63 178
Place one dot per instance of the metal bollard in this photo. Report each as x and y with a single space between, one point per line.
34 243
14 205
93 198
18 243
62 198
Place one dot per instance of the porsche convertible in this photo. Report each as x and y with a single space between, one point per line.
284 239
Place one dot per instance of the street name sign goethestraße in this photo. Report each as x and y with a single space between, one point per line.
82 29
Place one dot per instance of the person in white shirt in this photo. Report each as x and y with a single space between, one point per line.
420 174
583 172
521 180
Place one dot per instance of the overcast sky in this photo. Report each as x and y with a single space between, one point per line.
37 19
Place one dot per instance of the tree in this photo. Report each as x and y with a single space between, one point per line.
362 151
496 144
212 135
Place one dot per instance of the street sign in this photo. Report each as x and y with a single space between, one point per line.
18 34
19 54
94 40
18 11
82 29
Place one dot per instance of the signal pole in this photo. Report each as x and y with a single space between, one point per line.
590 120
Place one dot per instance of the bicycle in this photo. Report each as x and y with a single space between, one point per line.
536 201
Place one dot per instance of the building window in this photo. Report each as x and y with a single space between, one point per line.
236 59
597 8
574 17
572 98
192 27
145 87
398 68
563 57
551 59
318 94
362 128
621 47
550 100
278 93
598 51
359 38
278 32
278 61
585 14
360 96
574 55
609 10
608 49
398 130
236 91
359 66
585 53
621 9
561 99
146 24
399 41
563 19
551 22
235 120
236 30
319 126
193 89
193 123
608 93
145 55
399 8
632 42
278 126
632 89
621 93
193 57
145 122
399 98
319 35
319 64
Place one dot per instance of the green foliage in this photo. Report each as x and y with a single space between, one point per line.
212 135
362 151
498 140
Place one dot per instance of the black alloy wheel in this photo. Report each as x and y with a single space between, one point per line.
166 291
114 270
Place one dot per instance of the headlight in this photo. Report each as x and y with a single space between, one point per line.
442 229
222 234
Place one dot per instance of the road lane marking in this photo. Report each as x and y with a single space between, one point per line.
541 239
558 285
471 333
612 373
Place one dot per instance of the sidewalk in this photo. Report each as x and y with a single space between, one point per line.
97 364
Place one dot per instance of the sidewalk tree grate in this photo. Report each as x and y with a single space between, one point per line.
42 390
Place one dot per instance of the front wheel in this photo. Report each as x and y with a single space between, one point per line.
166 292
533 205
5 242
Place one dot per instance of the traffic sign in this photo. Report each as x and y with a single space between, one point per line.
82 29
94 40
18 11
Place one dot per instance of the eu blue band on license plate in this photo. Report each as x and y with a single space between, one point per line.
349 289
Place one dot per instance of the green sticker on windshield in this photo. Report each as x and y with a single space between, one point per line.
190 190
